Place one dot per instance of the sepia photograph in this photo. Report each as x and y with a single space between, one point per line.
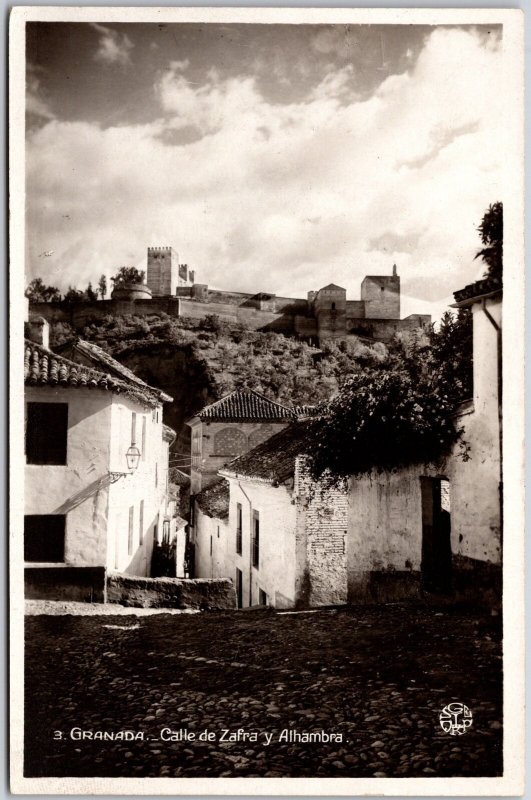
267 292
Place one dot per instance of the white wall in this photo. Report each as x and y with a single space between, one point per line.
385 511
147 483
73 489
277 564
219 563
476 523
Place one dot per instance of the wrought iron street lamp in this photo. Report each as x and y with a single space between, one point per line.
132 458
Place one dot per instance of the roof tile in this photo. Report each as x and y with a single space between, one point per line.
99 358
272 461
246 405
213 500
489 285
44 368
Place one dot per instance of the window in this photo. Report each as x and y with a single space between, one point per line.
166 531
44 538
133 428
130 532
143 438
262 597
46 433
211 544
141 524
256 539
333 309
239 528
218 531
239 587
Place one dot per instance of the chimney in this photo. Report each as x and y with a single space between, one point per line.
394 271
38 330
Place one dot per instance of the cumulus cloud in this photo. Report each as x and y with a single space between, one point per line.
284 197
35 101
113 47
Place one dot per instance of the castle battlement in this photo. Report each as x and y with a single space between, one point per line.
326 314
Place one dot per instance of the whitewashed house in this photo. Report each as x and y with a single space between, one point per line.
439 528
96 470
269 528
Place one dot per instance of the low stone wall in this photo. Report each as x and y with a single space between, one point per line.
84 584
204 594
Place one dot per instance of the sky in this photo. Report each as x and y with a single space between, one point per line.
273 158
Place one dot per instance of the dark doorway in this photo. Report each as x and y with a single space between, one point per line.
436 567
239 587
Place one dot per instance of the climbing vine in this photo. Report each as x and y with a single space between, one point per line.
394 412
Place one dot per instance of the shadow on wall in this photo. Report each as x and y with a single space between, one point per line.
84 494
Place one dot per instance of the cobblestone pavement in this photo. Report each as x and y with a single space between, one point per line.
377 676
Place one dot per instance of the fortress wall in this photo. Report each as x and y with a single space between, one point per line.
52 312
355 309
251 317
305 326
381 329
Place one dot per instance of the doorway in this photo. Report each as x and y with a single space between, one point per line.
436 566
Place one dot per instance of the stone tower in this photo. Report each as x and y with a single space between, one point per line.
162 270
381 295
330 306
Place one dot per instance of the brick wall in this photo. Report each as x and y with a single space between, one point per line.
323 528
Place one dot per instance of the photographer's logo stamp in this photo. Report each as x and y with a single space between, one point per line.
455 719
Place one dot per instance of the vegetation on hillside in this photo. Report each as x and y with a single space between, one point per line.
282 368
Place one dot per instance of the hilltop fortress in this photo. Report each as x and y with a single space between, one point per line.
324 315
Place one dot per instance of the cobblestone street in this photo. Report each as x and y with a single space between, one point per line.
377 676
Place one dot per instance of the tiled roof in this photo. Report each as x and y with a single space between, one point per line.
168 434
179 477
332 286
44 368
214 499
272 461
305 411
100 359
246 405
486 286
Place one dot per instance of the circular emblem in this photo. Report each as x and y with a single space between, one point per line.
455 719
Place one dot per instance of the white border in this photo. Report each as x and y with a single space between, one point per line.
513 389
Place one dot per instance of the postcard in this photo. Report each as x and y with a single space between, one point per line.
266 401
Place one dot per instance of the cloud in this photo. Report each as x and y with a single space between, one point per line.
337 39
113 47
36 103
283 197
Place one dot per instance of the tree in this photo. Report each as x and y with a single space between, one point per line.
128 275
90 294
102 286
491 232
452 348
74 295
391 414
37 292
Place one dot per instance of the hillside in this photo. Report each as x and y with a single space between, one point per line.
198 362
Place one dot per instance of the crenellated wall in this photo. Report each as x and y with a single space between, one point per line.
324 315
